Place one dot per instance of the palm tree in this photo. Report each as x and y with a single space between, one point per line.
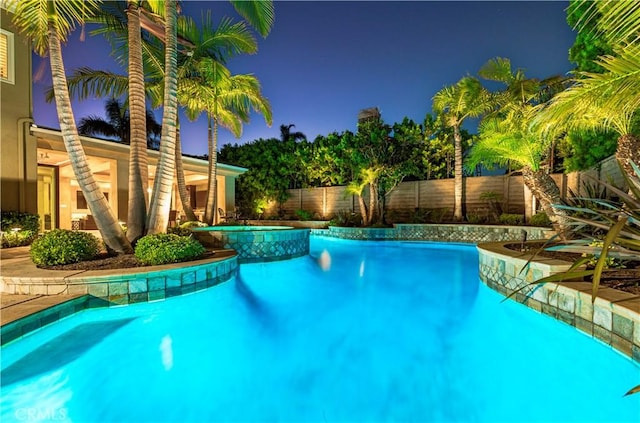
47 24
129 18
228 38
617 20
287 136
138 159
607 100
509 141
368 177
228 100
507 138
201 76
117 124
163 182
260 15
466 99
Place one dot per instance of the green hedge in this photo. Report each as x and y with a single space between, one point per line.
540 219
18 228
511 219
167 248
62 246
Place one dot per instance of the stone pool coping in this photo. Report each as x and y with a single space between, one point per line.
614 317
50 295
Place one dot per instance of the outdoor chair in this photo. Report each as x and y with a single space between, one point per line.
224 216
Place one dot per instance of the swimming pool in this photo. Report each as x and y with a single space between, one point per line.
357 331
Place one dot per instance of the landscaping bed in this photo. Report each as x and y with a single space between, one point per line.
624 279
106 262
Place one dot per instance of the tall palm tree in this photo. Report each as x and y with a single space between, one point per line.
204 41
128 18
507 137
200 76
227 100
466 99
260 15
138 159
117 124
163 182
47 24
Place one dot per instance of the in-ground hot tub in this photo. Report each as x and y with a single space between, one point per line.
256 244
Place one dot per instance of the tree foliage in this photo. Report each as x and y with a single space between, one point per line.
589 43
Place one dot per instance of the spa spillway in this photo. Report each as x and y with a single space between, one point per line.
256 244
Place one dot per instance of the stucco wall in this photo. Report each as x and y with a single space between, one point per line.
18 167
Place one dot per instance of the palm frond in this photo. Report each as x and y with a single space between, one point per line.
95 125
33 17
497 69
619 21
86 82
605 101
259 14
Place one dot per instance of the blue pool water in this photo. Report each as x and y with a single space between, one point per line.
357 331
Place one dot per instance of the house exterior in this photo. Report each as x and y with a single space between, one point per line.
18 160
35 172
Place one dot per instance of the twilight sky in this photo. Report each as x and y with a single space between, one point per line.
325 60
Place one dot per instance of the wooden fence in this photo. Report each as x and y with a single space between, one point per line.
513 196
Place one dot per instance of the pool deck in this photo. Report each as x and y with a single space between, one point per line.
16 263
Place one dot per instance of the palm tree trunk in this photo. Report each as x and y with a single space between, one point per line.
212 186
457 174
163 184
627 152
110 230
547 192
182 185
363 210
373 200
138 161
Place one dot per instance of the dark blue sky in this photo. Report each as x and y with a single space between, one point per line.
324 61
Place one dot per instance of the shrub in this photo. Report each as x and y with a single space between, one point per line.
304 215
540 219
167 248
474 218
438 215
346 218
62 246
18 228
511 219
420 216
493 202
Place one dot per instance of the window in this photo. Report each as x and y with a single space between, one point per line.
6 57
